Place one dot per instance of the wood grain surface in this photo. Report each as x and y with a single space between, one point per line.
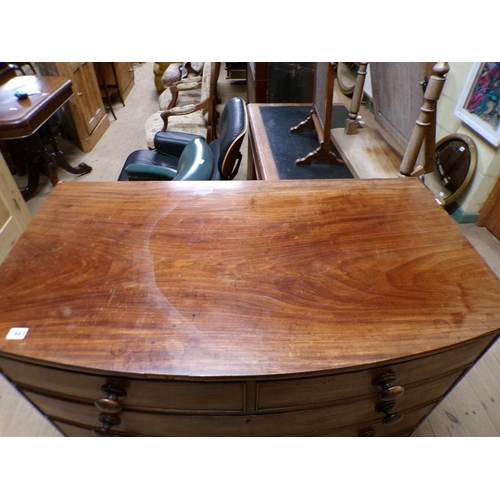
22 118
242 278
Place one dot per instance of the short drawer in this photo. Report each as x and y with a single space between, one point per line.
306 391
360 413
405 426
144 394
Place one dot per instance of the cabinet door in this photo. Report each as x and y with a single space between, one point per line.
14 213
125 75
117 75
87 96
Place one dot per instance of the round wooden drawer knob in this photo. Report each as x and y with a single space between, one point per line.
391 417
385 381
107 421
109 403
391 393
367 433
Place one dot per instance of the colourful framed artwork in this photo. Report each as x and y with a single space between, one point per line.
479 104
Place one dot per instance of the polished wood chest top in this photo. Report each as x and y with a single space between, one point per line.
215 279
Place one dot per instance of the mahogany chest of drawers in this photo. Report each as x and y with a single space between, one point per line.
289 308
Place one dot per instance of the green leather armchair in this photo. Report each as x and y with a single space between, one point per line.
196 163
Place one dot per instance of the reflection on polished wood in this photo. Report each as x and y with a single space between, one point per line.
22 118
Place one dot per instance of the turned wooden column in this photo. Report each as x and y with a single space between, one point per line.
424 129
352 123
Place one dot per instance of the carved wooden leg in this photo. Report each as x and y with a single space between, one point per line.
58 159
320 155
33 162
306 124
424 122
352 122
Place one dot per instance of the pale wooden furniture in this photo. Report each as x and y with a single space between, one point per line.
14 214
320 118
85 120
368 152
277 308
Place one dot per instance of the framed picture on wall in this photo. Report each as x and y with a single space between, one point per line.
479 103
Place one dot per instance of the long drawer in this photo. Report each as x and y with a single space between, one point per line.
144 394
403 428
359 413
271 395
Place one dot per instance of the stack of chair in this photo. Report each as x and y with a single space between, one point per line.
188 105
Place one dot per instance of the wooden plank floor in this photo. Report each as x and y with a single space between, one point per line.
471 409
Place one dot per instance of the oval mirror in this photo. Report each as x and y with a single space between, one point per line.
346 77
456 161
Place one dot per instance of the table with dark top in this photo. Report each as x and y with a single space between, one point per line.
273 150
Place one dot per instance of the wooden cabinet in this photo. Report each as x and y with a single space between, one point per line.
85 120
119 75
280 82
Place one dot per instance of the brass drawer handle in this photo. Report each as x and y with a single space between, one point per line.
109 403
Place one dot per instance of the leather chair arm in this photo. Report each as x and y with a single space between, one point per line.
173 143
149 173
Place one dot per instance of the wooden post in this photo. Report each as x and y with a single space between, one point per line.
424 129
352 124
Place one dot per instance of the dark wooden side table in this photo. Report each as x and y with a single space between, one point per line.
22 119
332 307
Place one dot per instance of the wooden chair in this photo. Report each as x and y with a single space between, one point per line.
198 117
368 153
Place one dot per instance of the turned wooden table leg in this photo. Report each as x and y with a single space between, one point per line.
424 122
352 122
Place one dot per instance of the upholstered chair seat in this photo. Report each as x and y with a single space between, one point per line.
189 111
178 157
